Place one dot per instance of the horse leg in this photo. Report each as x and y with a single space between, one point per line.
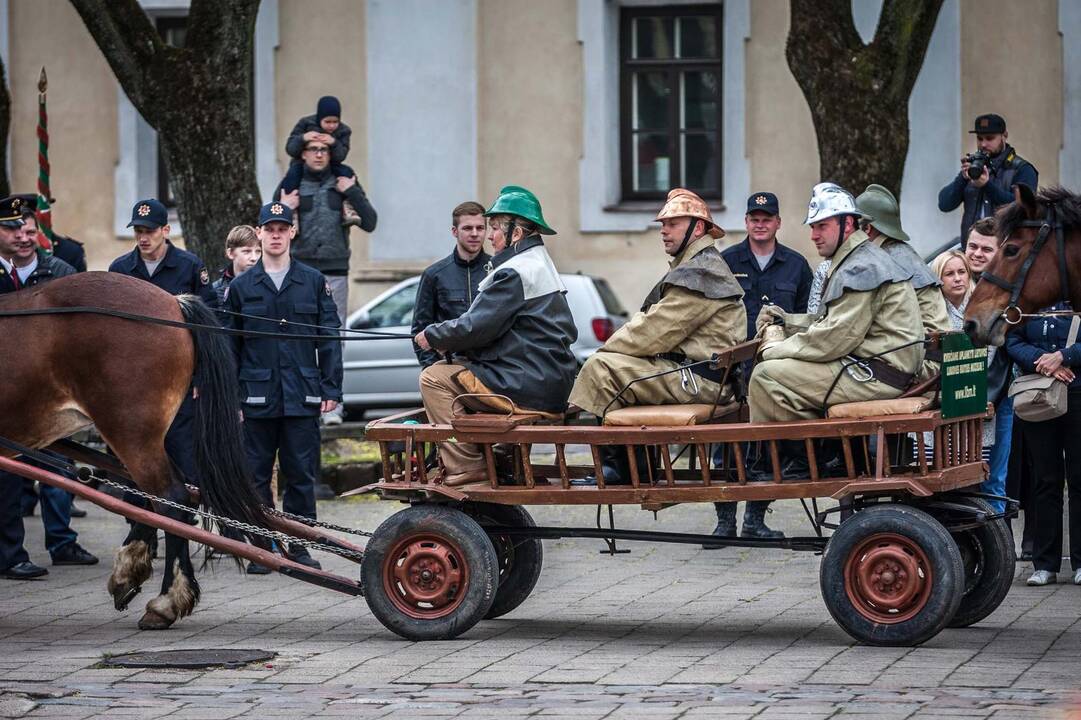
132 566
179 588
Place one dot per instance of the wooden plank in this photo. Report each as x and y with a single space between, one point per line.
775 458
666 458
812 461
704 460
939 436
385 457
921 451
881 452
561 460
422 471
527 466
633 464
741 465
846 448
489 460
598 467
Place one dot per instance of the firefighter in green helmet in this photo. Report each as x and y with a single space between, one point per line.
515 339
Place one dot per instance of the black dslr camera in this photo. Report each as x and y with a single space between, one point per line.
977 161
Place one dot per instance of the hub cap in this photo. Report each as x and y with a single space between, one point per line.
425 576
888 578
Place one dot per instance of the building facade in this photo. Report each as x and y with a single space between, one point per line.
596 105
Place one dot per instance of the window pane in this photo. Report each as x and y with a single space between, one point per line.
396 310
701 162
652 160
651 37
651 93
698 37
701 100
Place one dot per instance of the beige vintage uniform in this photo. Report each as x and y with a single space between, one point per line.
928 293
869 306
695 310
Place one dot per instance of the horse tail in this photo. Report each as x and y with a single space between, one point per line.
225 483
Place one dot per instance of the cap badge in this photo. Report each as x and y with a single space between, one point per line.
760 200
16 204
143 210
277 209
984 122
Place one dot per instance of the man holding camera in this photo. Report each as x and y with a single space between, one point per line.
987 175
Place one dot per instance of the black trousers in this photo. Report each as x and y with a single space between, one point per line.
1055 453
12 532
295 441
180 441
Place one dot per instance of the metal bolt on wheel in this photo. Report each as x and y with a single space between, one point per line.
425 576
888 578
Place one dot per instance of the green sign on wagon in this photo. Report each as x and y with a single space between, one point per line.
964 377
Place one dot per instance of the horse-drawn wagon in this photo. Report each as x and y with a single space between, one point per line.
914 548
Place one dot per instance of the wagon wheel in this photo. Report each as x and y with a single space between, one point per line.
988 556
520 558
429 573
892 575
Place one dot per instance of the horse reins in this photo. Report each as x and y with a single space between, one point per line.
1049 222
77 310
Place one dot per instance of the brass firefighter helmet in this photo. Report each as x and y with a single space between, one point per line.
684 203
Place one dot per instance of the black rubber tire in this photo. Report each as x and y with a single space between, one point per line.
432 531
987 554
520 558
912 531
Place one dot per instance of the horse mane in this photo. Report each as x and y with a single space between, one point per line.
1067 206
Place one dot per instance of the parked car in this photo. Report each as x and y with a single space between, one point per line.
385 373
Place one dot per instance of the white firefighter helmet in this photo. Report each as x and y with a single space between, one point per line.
829 200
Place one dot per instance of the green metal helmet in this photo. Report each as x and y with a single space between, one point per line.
879 203
515 200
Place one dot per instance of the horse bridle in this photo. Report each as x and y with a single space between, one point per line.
1048 223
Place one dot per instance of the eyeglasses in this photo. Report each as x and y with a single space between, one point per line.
317 150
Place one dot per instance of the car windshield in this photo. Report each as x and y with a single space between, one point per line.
393 311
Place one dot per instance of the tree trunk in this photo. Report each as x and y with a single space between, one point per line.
198 98
5 129
858 94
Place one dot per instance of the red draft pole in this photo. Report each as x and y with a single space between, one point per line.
43 212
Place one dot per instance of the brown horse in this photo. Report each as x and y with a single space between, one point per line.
63 372
1028 273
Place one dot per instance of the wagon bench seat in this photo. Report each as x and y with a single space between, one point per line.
668 415
876 408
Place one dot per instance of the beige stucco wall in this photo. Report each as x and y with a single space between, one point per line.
82 121
1011 64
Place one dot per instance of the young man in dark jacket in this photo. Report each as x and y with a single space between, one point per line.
447 288
515 338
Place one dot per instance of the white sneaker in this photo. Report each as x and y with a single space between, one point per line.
332 419
1043 577
1077 577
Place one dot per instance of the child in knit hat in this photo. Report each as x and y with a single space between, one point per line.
327 127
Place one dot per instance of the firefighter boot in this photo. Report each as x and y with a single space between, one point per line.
726 524
754 522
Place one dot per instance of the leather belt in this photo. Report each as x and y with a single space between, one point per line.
702 371
882 371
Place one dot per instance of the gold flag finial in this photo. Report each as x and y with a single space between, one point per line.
43 81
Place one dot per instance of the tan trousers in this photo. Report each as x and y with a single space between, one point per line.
606 373
438 388
789 389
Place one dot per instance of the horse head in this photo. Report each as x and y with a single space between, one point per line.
1024 275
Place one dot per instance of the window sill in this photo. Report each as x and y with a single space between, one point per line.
641 206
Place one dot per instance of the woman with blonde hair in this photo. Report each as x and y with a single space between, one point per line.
952 268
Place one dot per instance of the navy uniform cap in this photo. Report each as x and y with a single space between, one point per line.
275 212
11 212
989 124
763 202
149 213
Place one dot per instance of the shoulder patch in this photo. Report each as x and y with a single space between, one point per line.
204 276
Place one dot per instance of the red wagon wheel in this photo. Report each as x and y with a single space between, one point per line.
429 573
425 576
888 578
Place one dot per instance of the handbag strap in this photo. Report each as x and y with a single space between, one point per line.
1071 338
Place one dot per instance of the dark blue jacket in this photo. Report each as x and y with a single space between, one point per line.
786 281
6 283
285 378
180 272
1040 336
1007 169
446 290
70 251
49 268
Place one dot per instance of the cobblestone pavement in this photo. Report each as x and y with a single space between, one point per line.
664 632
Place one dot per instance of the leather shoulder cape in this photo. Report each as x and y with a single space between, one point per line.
706 273
867 267
907 257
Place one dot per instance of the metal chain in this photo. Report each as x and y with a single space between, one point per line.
283 538
318 523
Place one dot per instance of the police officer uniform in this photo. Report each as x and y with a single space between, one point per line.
10 216
283 382
66 248
179 272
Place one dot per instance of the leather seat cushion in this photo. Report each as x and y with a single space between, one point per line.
667 415
873 408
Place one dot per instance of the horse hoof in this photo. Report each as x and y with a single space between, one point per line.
121 600
154 621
